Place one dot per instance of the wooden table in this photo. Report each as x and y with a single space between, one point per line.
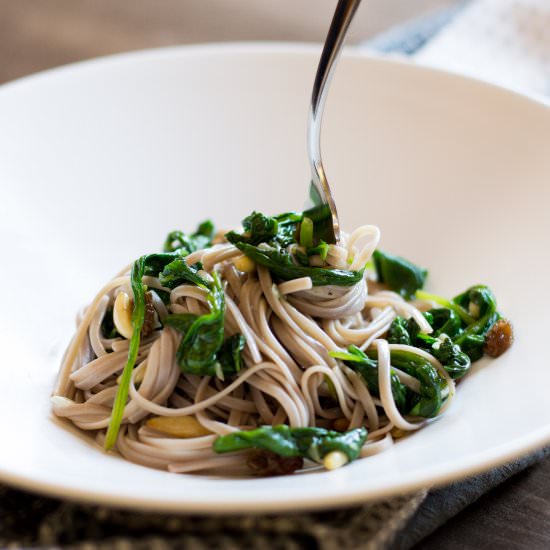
39 34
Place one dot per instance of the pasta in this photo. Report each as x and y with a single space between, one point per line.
252 351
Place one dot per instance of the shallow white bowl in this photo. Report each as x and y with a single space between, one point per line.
98 161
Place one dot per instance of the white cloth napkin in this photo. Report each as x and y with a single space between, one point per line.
506 42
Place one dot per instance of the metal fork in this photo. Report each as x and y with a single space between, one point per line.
324 207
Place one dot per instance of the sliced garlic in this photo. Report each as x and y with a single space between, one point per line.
122 315
179 426
59 402
244 263
473 310
335 459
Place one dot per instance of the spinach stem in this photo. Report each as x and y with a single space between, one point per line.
138 315
460 311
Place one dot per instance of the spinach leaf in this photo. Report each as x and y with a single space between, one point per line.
321 249
230 354
178 272
466 319
367 368
451 356
281 265
197 352
201 238
321 216
398 333
425 404
108 329
454 359
312 443
480 302
266 240
202 350
180 321
164 295
460 311
445 321
259 228
428 403
399 274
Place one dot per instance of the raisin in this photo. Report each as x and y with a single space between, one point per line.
149 318
266 463
499 338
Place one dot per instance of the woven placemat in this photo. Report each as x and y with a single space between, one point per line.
28 520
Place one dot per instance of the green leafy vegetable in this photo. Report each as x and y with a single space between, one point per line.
138 314
312 443
108 329
203 337
426 404
466 319
150 264
451 356
201 238
164 295
321 249
230 354
281 265
398 332
178 272
399 274
461 312
445 321
259 228
481 304
321 216
454 360
266 241
358 361
477 309
202 350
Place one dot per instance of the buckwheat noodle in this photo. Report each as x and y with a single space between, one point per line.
290 328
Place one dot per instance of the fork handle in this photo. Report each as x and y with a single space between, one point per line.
345 10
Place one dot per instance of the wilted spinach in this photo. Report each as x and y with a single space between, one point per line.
201 238
427 403
398 273
312 443
149 264
266 241
453 359
202 350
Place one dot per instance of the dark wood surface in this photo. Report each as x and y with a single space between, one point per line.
515 515
39 34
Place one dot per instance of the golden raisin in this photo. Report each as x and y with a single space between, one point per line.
499 338
340 424
149 318
266 463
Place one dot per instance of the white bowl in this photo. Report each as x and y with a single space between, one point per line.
98 161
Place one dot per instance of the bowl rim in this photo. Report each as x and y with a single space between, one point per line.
263 47
441 474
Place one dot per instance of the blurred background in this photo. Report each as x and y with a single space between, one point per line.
40 34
